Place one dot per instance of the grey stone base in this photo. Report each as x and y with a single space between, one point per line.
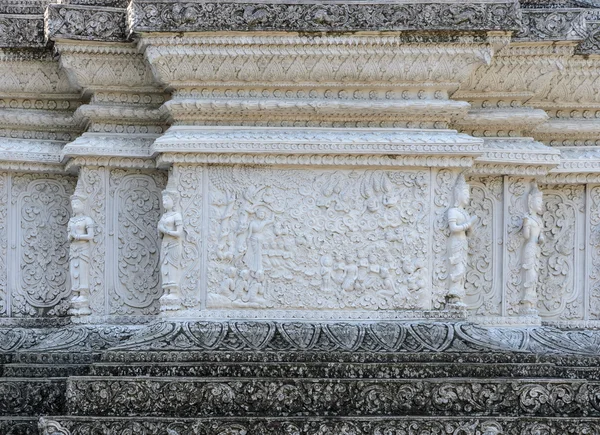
331 426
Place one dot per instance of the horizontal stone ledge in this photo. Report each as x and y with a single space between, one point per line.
329 425
315 110
334 16
191 397
183 139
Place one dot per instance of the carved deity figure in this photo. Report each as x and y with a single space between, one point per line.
170 227
256 236
534 237
460 224
81 233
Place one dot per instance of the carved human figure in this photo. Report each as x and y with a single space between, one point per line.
81 233
326 273
170 227
459 223
256 236
534 237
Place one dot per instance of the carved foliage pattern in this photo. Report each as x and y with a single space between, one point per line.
483 285
559 291
41 206
93 184
445 180
270 397
3 242
326 426
335 16
518 189
594 252
318 239
190 185
136 199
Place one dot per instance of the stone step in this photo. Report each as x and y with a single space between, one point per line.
326 426
19 426
45 370
197 397
248 356
384 370
31 396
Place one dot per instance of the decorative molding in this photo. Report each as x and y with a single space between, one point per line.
167 159
106 146
556 24
201 16
88 23
314 61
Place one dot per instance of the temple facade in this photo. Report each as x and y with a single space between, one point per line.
193 192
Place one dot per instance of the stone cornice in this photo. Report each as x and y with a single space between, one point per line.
338 60
312 16
506 156
35 151
110 145
316 141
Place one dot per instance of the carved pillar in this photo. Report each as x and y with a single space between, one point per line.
117 174
36 118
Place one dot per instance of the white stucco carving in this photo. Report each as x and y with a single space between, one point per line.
170 227
308 177
81 235
533 238
460 224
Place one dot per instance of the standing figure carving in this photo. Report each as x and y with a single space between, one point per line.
81 233
460 224
170 227
534 237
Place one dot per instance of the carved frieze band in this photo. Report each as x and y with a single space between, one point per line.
165 16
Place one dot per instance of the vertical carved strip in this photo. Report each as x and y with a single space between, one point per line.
4 295
517 190
445 180
484 283
188 180
92 182
134 244
593 263
559 292
42 210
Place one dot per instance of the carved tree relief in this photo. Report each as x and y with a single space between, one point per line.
484 284
94 181
559 293
189 182
42 207
4 297
516 207
593 256
136 198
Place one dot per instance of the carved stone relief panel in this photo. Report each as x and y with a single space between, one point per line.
444 182
516 191
132 243
318 239
39 252
592 275
4 294
560 288
190 183
92 183
484 273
